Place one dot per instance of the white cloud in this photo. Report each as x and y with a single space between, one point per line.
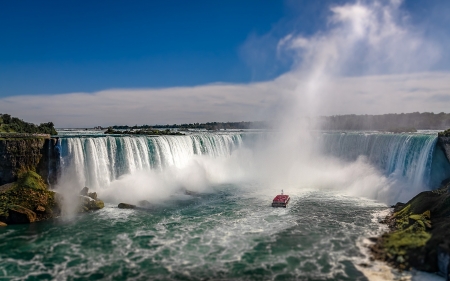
235 102
373 40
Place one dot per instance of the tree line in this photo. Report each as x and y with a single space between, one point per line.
205 126
403 122
387 122
10 124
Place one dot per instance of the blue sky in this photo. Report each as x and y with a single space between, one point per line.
66 46
61 47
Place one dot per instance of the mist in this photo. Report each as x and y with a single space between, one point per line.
373 37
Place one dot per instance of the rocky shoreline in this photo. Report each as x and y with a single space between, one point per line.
418 235
29 163
419 230
29 200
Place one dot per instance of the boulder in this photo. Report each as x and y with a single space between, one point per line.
397 207
2 224
126 206
144 204
97 205
89 204
93 195
190 192
19 214
84 191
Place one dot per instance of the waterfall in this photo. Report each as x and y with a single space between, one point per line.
412 162
96 161
409 157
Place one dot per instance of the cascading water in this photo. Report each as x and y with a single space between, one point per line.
411 158
97 161
414 160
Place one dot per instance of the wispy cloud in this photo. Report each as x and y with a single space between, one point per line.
234 102
370 60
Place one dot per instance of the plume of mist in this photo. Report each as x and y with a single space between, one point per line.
363 38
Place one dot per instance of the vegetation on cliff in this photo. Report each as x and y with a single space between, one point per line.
148 132
28 196
10 124
385 122
202 126
417 229
396 123
445 133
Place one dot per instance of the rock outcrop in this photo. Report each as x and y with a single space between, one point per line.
126 206
28 200
417 230
35 153
19 214
444 142
89 201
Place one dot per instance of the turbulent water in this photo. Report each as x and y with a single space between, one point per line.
99 160
226 229
413 158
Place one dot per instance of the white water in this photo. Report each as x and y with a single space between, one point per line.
386 167
97 161
407 158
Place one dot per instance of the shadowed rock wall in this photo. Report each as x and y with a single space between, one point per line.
18 154
444 142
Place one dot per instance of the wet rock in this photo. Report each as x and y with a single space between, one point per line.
99 204
93 195
191 193
126 206
416 232
398 206
84 191
373 239
31 193
2 224
89 204
19 215
6 187
444 142
144 204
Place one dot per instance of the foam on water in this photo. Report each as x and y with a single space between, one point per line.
231 233
227 230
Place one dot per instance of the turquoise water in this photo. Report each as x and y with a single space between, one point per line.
226 230
226 234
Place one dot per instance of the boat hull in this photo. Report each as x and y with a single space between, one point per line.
281 201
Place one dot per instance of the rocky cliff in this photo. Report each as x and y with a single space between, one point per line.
418 235
24 153
444 142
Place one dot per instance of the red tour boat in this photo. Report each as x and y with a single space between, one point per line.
281 200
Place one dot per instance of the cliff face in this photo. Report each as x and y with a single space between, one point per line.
444 142
28 153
